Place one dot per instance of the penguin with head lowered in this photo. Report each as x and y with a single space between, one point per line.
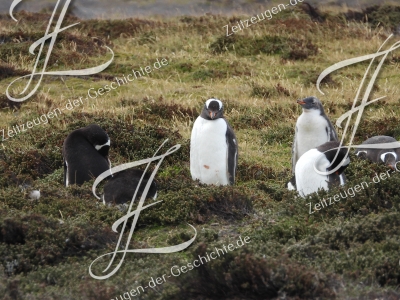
85 153
323 157
313 128
121 187
213 147
387 156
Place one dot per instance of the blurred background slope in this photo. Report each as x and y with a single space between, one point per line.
88 9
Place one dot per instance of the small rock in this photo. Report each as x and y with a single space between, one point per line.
34 195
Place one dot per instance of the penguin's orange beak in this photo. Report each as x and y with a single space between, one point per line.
300 102
212 114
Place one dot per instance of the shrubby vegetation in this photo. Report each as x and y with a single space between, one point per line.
349 250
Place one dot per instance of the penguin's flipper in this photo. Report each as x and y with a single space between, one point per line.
232 154
65 173
330 131
194 164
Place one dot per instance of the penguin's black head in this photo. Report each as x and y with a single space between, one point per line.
389 158
328 149
103 149
213 109
310 103
98 138
361 154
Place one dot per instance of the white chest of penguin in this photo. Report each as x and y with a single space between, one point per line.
311 131
209 151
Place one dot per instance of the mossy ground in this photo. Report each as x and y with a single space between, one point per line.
349 250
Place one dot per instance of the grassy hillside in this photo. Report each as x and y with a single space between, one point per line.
349 250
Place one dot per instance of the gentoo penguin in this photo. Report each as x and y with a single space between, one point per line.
313 129
85 153
213 146
308 180
386 156
121 187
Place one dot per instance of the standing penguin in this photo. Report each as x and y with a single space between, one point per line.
213 147
387 156
313 129
323 157
85 153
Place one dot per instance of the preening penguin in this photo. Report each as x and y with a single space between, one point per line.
313 128
122 186
387 156
323 157
85 153
213 146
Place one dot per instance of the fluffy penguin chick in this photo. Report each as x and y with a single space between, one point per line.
323 157
313 128
213 147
